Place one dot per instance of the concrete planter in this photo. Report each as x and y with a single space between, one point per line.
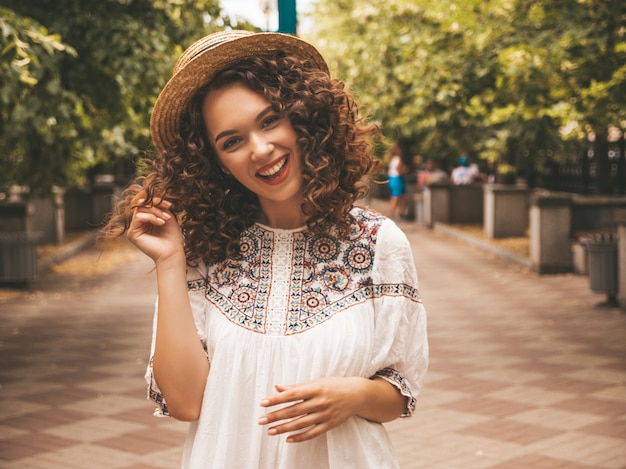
550 227
18 257
505 210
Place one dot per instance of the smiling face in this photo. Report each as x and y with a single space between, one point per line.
258 146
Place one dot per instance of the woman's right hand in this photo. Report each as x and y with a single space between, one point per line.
155 231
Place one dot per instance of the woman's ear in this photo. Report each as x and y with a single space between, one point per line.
221 166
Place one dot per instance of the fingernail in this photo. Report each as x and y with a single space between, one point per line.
166 215
265 402
272 431
263 420
161 221
289 440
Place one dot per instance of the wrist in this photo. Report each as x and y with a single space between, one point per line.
172 262
361 392
378 400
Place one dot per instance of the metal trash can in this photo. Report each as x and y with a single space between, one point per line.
418 201
602 264
18 257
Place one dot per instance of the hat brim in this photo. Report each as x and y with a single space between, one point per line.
202 68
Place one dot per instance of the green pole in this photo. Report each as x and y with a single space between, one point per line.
287 17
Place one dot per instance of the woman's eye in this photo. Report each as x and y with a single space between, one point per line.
231 142
271 120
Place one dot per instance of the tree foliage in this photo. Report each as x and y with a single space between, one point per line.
34 104
79 79
520 81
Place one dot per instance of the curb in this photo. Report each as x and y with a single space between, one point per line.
68 251
502 253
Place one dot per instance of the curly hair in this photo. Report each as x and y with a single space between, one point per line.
213 208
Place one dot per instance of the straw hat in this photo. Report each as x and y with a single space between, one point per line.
203 60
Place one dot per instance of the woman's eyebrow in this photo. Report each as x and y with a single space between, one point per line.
226 133
262 114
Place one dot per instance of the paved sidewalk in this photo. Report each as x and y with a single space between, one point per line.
526 371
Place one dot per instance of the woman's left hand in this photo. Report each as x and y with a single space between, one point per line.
316 406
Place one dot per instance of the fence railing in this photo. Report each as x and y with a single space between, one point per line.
581 177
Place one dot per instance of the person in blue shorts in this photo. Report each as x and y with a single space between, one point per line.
397 187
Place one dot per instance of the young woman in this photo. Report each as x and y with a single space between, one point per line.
397 186
288 324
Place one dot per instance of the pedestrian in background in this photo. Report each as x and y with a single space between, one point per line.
288 325
396 169
429 174
464 173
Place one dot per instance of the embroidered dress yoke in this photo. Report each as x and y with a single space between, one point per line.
296 307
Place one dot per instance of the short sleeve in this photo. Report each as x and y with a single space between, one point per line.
196 287
400 352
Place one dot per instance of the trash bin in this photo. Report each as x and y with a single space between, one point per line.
418 202
18 257
602 264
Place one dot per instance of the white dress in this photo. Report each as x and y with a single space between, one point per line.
297 307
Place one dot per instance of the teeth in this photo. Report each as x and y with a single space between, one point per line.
274 169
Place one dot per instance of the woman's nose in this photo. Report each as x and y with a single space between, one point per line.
260 145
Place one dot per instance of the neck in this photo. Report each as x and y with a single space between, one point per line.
283 223
282 216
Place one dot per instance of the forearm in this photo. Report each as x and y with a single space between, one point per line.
379 400
180 365
317 406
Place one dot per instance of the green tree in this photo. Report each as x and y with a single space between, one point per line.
112 60
37 113
413 67
560 68
523 82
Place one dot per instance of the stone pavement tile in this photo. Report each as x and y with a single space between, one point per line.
435 422
580 386
59 395
93 429
164 459
80 456
12 408
32 444
614 428
555 418
488 406
536 461
617 393
139 466
611 376
506 374
144 442
521 392
590 405
596 451
588 359
453 450
468 385
511 431
42 420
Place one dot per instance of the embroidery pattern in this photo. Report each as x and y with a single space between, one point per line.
313 277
